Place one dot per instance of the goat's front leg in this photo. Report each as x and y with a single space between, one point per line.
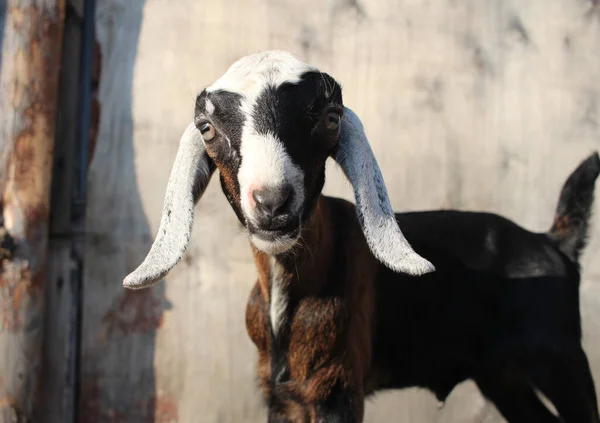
256 310
339 406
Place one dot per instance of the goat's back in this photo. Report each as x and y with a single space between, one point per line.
484 242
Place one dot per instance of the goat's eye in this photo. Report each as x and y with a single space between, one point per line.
207 131
332 120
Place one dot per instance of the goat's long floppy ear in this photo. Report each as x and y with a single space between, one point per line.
189 178
375 214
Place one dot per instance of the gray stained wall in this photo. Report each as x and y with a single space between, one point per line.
473 104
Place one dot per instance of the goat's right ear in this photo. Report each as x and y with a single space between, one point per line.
189 178
375 214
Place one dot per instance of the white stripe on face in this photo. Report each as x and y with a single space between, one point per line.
266 164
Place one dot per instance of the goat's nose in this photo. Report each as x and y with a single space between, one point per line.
272 201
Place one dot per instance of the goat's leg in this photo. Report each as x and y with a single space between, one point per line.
340 407
288 411
515 399
581 361
567 382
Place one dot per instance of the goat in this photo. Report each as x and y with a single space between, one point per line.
345 304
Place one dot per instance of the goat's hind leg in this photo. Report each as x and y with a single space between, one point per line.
567 382
515 399
582 363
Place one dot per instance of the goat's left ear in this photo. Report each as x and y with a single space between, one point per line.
375 214
189 178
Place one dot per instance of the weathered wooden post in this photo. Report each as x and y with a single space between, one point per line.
31 35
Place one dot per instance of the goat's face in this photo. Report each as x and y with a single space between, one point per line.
270 139
269 124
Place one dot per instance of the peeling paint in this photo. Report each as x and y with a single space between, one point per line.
19 293
10 410
96 405
135 311
350 5
95 108
90 407
7 245
33 97
162 409
516 25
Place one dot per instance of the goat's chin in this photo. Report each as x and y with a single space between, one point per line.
275 246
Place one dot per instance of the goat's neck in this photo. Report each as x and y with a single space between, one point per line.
285 279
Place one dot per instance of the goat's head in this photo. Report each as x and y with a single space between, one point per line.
268 125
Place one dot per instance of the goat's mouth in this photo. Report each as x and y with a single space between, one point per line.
275 241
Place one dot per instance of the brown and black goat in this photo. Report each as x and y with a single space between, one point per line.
343 305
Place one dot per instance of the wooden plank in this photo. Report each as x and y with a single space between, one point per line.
123 334
77 6
60 379
57 388
478 104
29 84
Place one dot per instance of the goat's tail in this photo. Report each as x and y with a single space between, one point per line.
570 227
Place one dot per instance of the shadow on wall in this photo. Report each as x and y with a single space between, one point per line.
119 326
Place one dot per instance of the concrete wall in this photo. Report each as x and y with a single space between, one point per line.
473 104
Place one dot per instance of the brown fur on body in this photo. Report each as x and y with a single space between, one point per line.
324 344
